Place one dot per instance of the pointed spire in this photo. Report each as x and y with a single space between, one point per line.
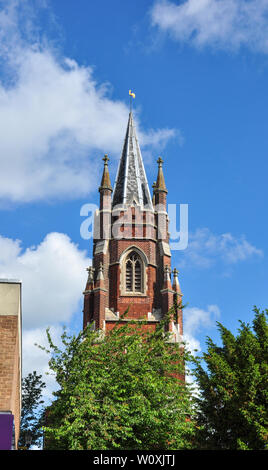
160 182
106 182
131 184
90 278
176 285
167 280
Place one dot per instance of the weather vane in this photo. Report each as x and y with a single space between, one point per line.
131 97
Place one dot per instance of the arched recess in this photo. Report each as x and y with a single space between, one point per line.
133 278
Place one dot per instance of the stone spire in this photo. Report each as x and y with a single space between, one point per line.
160 182
90 278
106 182
131 186
176 285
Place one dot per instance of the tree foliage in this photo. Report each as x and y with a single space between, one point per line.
31 413
119 391
234 388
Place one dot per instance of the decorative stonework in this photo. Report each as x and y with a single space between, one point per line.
101 247
164 249
111 315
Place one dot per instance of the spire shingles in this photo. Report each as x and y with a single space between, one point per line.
131 186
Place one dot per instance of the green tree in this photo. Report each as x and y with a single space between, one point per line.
119 391
32 412
233 387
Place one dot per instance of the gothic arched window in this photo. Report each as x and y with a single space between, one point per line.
134 273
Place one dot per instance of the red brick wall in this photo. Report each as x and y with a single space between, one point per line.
138 228
145 327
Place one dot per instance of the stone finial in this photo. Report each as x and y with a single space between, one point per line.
100 273
175 273
176 284
106 159
160 162
90 271
167 273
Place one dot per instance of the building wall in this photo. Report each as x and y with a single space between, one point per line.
10 350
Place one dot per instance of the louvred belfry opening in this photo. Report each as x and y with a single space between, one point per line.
129 276
131 268
133 273
137 273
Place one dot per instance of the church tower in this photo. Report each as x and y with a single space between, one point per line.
131 266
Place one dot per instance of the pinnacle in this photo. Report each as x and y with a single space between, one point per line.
160 182
106 182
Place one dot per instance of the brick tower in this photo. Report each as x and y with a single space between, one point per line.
131 255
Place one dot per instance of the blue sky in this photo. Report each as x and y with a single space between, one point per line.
200 72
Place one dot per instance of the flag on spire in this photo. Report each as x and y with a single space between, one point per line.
131 94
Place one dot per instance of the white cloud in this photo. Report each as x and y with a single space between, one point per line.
56 121
225 24
196 319
53 275
158 138
205 249
34 358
